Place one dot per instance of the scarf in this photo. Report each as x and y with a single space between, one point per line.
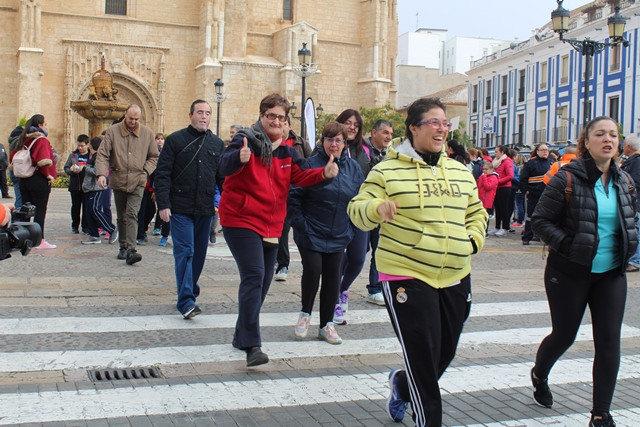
37 129
497 162
260 142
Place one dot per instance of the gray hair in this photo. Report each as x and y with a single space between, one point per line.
236 127
633 142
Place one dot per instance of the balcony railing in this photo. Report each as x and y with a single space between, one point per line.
560 133
539 136
517 139
564 80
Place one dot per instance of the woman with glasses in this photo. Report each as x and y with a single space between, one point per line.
356 252
431 221
259 170
322 230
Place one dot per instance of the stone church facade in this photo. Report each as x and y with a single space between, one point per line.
164 54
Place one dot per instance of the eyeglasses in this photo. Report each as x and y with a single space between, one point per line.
435 123
337 141
351 124
273 116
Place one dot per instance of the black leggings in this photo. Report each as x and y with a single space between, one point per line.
501 205
314 265
36 190
605 294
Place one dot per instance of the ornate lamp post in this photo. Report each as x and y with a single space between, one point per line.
294 108
304 69
219 99
588 47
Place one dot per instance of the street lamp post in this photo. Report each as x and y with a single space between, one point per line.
219 99
304 69
588 47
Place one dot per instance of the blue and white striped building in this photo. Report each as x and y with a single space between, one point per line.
533 91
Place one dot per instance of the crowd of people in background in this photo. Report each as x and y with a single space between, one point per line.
351 195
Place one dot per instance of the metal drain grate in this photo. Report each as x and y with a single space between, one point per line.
124 374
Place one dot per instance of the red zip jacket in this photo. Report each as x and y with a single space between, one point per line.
254 196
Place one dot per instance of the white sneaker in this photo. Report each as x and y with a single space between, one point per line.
302 327
501 232
281 274
376 298
492 232
329 334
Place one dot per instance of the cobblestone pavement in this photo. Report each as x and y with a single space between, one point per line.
75 309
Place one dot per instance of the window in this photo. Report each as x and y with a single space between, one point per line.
474 100
503 93
487 105
543 76
287 10
521 86
115 7
614 108
564 70
615 58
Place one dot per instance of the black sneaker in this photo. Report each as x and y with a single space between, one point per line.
605 421
541 392
75 230
256 357
192 311
133 257
122 254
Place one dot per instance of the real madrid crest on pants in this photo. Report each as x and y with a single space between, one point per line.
401 296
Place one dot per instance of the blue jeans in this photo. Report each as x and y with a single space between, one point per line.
374 286
256 262
519 201
635 259
190 235
16 190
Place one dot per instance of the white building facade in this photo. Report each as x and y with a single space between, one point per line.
533 92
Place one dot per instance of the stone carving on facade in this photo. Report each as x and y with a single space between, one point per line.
101 86
30 18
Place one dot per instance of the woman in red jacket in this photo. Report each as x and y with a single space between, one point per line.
259 169
36 188
504 168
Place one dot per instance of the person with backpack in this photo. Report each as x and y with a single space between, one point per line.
586 216
37 173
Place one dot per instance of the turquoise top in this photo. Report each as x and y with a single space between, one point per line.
607 256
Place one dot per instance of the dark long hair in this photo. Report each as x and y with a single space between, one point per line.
584 135
346 115
35 121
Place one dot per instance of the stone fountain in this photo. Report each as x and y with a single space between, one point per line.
102 108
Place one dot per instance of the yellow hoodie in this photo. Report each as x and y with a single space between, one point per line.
438 214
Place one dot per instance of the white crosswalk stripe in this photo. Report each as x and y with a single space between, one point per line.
167 399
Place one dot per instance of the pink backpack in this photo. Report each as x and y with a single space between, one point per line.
22 163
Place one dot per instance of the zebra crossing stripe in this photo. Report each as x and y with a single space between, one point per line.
87 404
53 325
122 358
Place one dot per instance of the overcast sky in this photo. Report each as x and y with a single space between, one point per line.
499 19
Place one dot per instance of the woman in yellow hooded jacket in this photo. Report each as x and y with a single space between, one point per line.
432 221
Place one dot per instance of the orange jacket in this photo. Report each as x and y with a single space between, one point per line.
565 159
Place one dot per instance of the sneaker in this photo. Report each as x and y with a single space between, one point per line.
302 327
212 237
75 231
512 230
45 245
329 334
492 232
516 224
133 257
376 298
396 407
541 392
338 316
193 311
281 274
92 241
256 357
500 232
157 232
605 421
122 254
141 242
343 300
113 237
163 241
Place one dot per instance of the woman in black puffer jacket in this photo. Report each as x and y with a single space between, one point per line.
586 215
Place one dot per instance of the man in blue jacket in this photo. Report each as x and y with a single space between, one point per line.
185 190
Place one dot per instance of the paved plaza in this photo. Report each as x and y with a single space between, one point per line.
74 312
